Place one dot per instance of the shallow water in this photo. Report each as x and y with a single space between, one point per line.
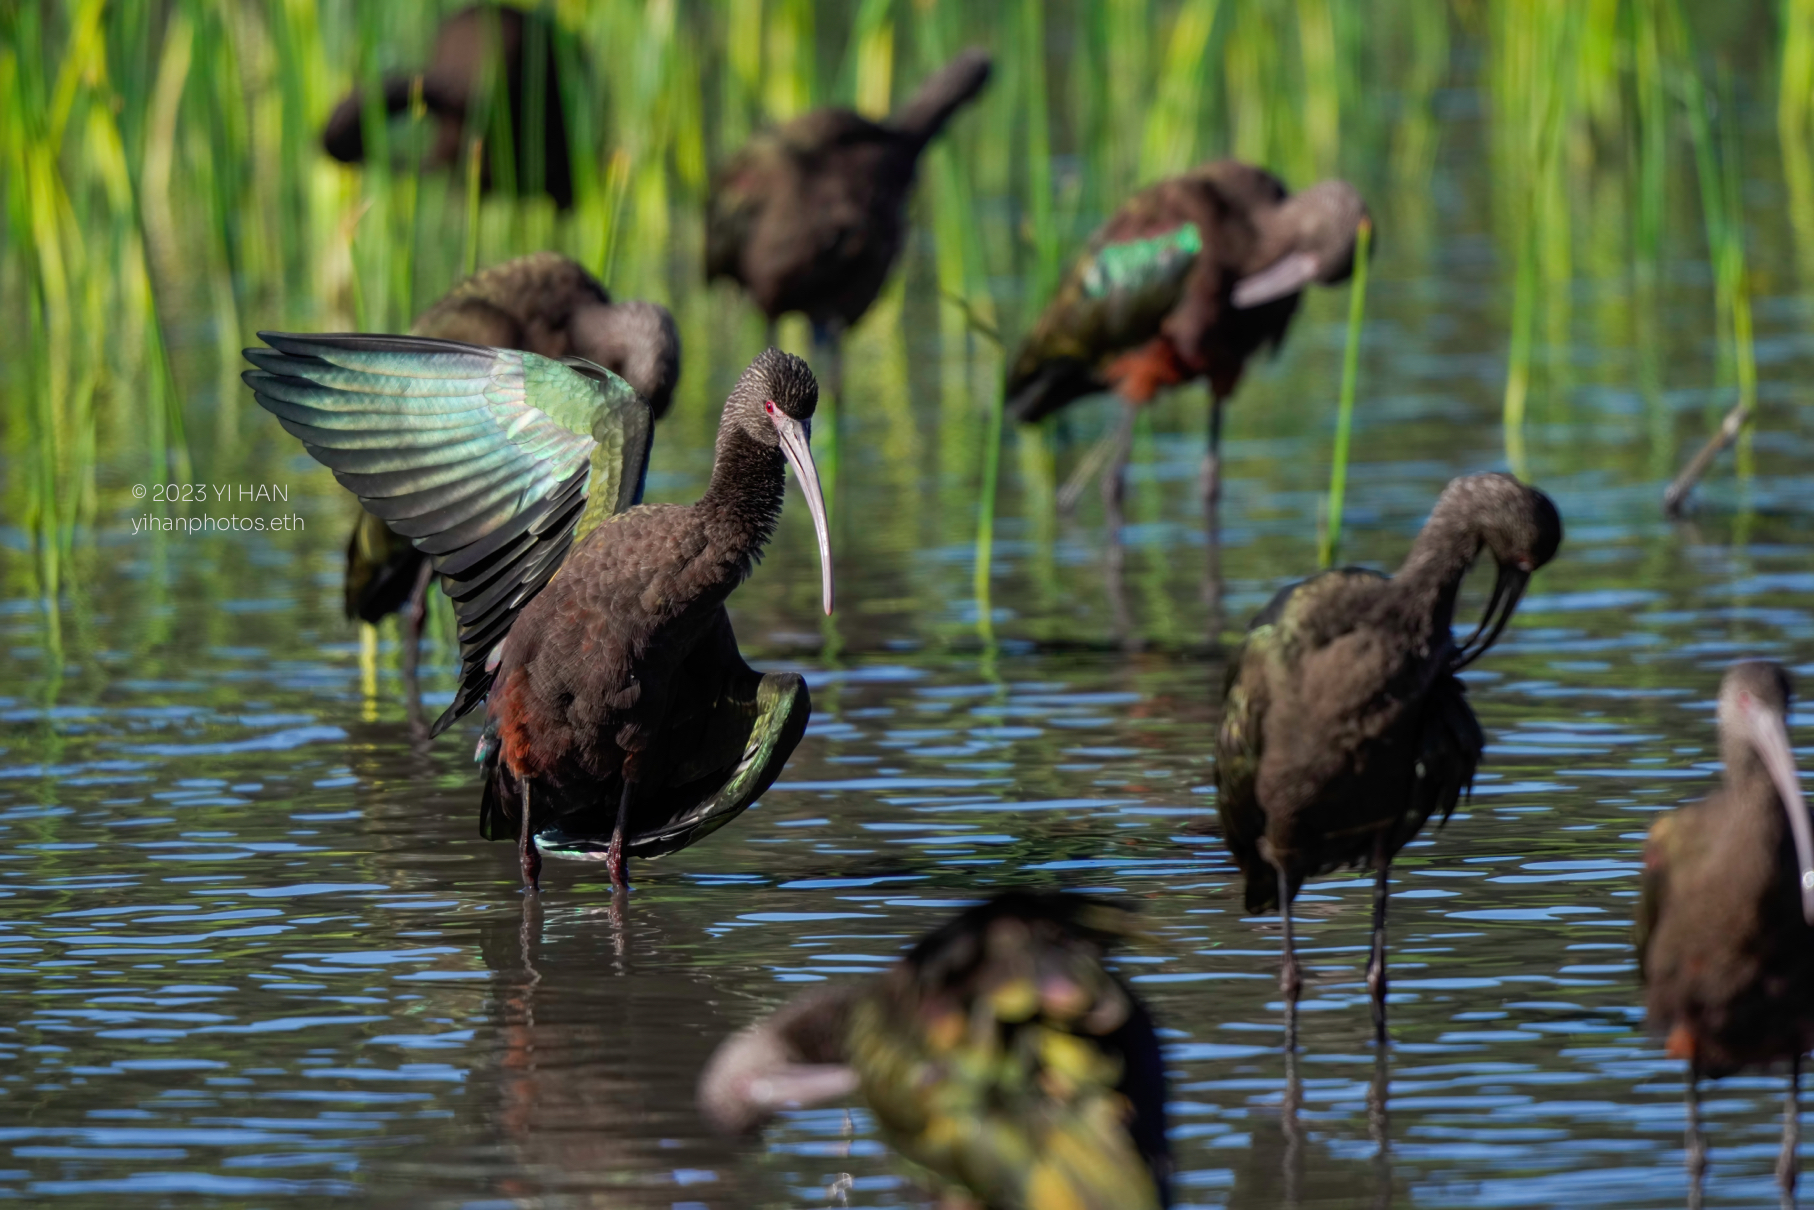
252 948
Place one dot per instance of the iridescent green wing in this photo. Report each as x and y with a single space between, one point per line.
493 462
1128 268
996 1059
1113 299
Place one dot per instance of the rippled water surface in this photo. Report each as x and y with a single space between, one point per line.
253 949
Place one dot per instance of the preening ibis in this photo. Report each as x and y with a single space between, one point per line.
999 1056
1188 279
1344 726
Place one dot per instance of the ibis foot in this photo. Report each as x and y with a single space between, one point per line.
616 864
1376 990
616 859
1209 481
527 853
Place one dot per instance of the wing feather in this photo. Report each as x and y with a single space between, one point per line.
491 461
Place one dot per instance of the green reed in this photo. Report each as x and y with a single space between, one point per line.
1344 414
162 161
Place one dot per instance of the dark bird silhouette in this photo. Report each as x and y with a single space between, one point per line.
543 303
1725 926
999 1056
459 104
1189 279
811 215
619 708
1344 726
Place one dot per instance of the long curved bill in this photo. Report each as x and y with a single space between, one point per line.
796 448
1508 590
1771 739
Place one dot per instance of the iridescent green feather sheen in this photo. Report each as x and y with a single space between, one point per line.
1130 266
757 736
998 1084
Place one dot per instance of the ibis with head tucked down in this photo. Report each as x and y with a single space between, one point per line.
1188 279
998 1055
1344 725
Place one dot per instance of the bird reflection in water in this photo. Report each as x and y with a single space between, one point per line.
1274 1173
599 1033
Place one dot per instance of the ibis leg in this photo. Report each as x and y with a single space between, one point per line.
615 859
1291 980
1102 453
1114 475
1694 1145
1376 962
1212 459
1787 1164
527 853
415 616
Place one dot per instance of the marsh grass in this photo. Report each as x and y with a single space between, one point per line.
1344 412
165 193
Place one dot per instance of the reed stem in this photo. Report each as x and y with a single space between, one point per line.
1344 414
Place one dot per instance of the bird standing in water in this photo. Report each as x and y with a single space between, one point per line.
999 1056
811 215
1344 726
620 715
1725 926
543 303
470 45
1188 279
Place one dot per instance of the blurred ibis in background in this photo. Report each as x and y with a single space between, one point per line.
543 303
811 215
621 719
1188 279
999 1056
1344 725
458 105
1725 927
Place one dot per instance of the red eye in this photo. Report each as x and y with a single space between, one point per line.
769 406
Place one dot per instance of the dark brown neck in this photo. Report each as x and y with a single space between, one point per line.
1427 583
743 500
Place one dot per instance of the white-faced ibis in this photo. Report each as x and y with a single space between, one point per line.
1725 928
1344 726
619 706
999 1056
458 104
1188 279
811 215
543 303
